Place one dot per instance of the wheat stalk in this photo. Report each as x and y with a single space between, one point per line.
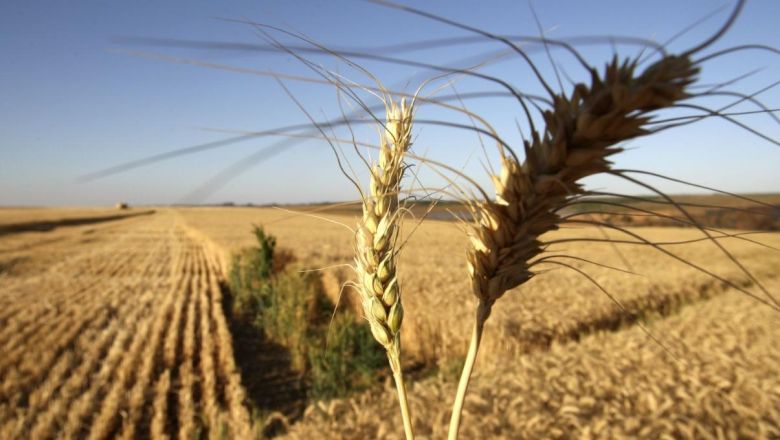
581 133
377 234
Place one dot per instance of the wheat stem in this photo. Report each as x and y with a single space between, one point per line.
483 311
393 357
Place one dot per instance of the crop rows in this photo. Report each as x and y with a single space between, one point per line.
127 339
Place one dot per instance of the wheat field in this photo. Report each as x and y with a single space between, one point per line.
721 383
117 329
439 295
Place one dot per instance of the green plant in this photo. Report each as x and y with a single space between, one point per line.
290 316
250 276
263 261
289 307
347 360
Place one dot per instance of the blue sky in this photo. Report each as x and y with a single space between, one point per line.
75 101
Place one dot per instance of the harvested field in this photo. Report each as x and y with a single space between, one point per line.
10 215
121 335
15 220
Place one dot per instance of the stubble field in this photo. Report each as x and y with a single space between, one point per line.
117 329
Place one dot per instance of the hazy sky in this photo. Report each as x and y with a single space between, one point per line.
74 100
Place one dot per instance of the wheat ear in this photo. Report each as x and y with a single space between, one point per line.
377 235
581 132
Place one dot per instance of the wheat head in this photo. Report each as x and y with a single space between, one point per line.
581 133
377 234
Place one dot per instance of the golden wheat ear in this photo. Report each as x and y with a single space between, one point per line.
376 243
581 132
376 237
377 233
